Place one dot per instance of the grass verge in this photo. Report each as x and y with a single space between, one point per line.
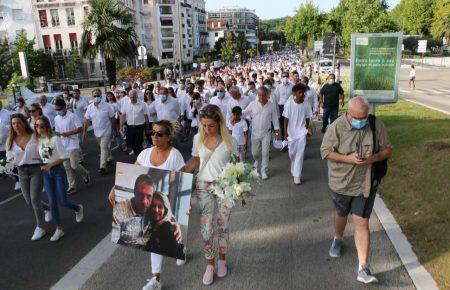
417 186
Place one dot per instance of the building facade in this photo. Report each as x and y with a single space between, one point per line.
15 17
217 28
239 20
200 28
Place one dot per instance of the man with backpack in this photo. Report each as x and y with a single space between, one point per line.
356 163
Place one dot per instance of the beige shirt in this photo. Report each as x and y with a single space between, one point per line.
341 137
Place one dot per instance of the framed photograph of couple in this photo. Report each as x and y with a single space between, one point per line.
151 209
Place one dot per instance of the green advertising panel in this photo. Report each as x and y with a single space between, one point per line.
375 66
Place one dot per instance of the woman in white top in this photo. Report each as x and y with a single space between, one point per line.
162 156
35 111
22 108
412 77
21 149
212 149
53 154
149 100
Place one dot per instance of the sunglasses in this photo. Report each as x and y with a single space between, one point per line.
40 126
208 113
159 134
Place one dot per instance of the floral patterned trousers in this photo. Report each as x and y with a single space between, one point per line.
207 203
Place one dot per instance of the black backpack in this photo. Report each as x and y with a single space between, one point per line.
379 168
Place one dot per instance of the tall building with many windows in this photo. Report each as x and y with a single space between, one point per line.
238 19
200 27
14 17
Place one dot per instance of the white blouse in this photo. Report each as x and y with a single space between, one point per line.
51 150
174 161
29 155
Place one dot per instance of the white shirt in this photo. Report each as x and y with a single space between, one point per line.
216 163
151 112
221 103
283 92
57 147
101 118
238 130
49 111
297 115
174 161
5 116
79 107
311 99
170 110
412 73
262 118
68 123
243 102
28 156
135 113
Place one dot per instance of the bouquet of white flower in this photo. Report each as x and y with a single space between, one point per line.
6 168
234 183
46 153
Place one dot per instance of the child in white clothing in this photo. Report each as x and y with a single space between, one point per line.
239 130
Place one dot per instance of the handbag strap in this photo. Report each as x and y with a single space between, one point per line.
373 127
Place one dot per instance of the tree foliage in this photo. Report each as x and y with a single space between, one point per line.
108 31
17 79
132 74
414 16
227 50
440 27
6 66
305 26
273 29
73 66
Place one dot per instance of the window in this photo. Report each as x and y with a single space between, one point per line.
47 42
58 41
55 17
2 15
70 16
73 40
43 18
18 14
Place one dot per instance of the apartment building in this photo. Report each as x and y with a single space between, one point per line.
14 17
238 19
200 27
217 28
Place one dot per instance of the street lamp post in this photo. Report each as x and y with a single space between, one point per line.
257 40
334 51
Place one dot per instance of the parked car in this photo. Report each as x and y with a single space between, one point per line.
326 66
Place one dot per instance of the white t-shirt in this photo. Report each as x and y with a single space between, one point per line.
217 161
297 115
170 110
100 117
79 107
57 147
49 111
135 113
238 130
68 123
174 161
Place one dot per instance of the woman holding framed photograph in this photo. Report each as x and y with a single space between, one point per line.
161 156
213 148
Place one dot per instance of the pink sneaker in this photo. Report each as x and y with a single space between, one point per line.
209 275
221 268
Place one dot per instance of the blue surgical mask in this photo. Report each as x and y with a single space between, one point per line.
164 98
359 124
220 95
60 112
97 100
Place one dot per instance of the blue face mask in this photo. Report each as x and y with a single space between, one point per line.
220 95
60 112
164 98
97 100
359 124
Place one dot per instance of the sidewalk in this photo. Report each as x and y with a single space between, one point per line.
280 240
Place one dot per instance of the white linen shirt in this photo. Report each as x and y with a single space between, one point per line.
28 156
262 118
101 118
221 103
170 110
49 111
243 102
67 123
135 113
79 107
284 92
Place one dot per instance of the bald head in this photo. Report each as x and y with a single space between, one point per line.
235 92
358 107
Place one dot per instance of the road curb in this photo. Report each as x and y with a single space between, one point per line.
419 275
426 106
78 275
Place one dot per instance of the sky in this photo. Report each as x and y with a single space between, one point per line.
268 9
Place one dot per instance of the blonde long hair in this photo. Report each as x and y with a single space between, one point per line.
213 112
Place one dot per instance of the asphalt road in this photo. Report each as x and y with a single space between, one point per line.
38 265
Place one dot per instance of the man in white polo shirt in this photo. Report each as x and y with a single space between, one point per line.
166 107
101 115
135 114
48 110
68 127
237 99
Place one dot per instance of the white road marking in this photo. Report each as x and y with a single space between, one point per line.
81 272
427 106
11 198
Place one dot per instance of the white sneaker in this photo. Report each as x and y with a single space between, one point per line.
48 216
131 152
38 234
181 262
297 180
152 284
264 176
17 186
79 215
57 235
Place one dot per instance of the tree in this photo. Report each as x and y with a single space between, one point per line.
273 29
132 74
218 45
151 60
414 16
305 26
241 45
440 27
39 63
15 80
6 66
227 50
72 66
364 16
108 31
251 52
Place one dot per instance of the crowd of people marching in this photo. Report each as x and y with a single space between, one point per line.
225 111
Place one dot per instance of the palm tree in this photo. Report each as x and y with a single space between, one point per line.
108 31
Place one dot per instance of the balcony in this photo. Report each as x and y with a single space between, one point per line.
61 53
165 11
167 34
166 23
